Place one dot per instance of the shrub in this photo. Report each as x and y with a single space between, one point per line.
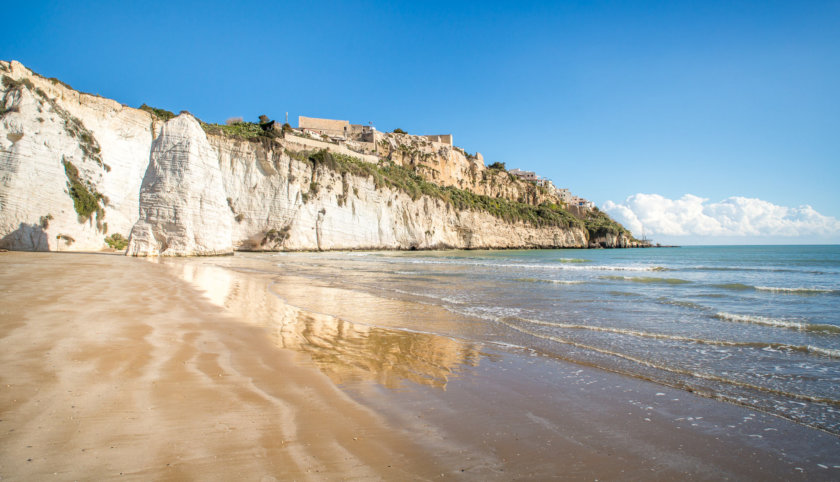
68 240
497 166
11 83
86 200
399 131
161 114
45 221
234 120
117 241
276 236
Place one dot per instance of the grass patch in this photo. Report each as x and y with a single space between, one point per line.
11 83
240 130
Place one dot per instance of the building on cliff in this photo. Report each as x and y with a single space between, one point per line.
564 194
341 129
346 131
525 175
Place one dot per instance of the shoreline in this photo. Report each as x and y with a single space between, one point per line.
333 364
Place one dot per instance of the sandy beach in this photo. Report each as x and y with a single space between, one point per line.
196 369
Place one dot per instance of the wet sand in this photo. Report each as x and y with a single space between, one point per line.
198 368
112 367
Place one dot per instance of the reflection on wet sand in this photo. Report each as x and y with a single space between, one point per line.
345 351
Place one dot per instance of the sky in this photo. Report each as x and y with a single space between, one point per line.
696 122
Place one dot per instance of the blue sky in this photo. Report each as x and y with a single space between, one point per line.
718 100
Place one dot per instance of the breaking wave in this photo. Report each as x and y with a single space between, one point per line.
827 352
567 266
648 279
511 322
777 322
550 281
798 290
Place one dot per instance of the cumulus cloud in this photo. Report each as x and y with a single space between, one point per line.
732 217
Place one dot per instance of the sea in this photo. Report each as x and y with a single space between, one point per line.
757 326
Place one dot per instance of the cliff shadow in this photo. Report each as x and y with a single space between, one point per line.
27 237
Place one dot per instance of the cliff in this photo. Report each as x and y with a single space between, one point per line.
76 167
70 164
182 200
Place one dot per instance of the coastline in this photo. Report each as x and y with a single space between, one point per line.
210 368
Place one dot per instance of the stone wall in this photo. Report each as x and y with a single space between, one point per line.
306 144
443 139
330 127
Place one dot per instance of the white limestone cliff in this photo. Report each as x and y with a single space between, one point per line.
210 194
274 205
43 125
183 211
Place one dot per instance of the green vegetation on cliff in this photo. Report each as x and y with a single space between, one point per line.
244 130
161 114
399 178
117 241
86 200
598 224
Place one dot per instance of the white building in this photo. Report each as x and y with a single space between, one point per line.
564 194
524 175
582 203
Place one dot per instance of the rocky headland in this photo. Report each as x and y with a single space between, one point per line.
79 172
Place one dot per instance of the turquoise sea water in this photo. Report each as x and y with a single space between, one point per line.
753 325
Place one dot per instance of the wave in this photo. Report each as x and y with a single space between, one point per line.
746 268
735 286
666 368
777 322
648 279
569 266
797 290
574 260
800 290
827 352
684 304
551 281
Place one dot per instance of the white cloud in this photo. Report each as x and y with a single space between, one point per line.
734 217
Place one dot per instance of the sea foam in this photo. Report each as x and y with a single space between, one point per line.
777 322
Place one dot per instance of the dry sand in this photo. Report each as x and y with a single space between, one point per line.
207 369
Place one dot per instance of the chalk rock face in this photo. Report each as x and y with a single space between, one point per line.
183 209
281 203
49 134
